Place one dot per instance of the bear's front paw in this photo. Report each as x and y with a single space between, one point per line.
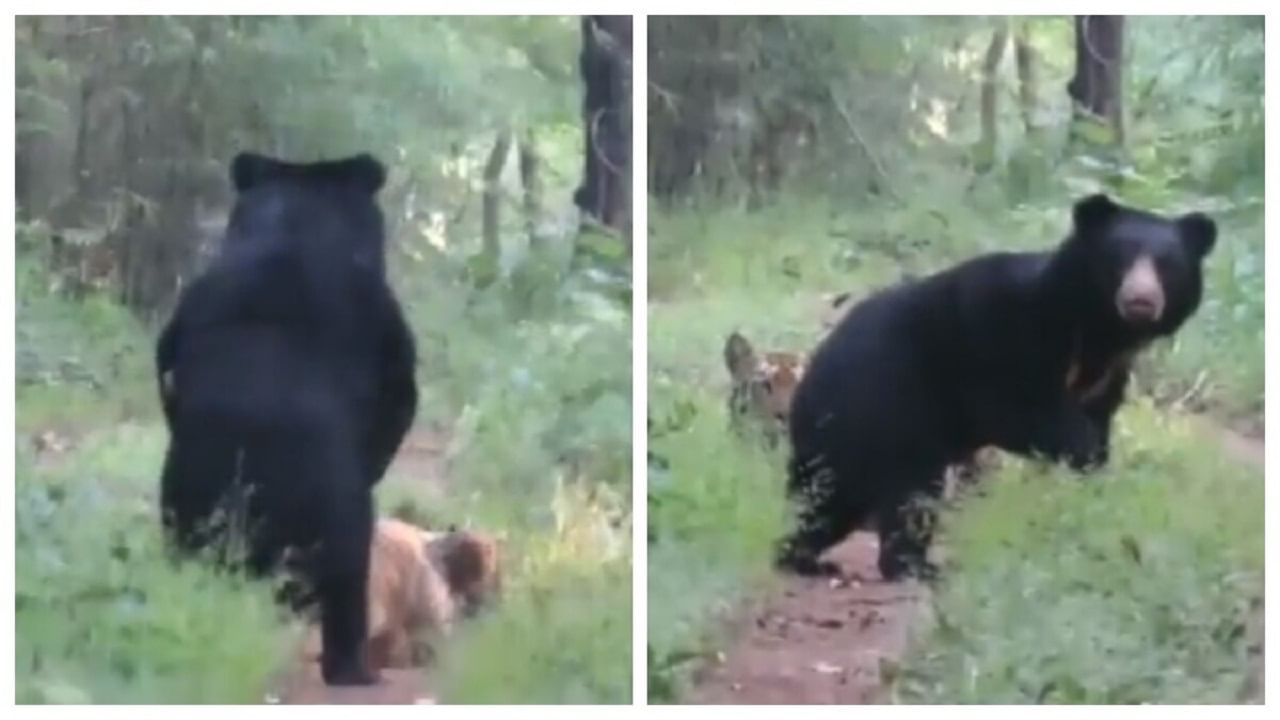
1086 448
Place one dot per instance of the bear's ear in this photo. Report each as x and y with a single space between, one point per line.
366 173
1199 233
249 169
1092 212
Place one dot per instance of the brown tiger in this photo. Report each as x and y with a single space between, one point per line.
762 386
420 582
764 383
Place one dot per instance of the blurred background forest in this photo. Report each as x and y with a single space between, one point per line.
791 158
508 243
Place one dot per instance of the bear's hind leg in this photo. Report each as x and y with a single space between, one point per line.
342 578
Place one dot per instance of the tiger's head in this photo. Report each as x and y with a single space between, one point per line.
762 387
470 563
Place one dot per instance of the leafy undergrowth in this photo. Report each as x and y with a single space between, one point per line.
1141 584
716 506
562 631
716 503
102 614
78 365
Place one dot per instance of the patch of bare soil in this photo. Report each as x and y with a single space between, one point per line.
1245 444
818 640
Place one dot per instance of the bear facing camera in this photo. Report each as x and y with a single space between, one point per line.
1027 351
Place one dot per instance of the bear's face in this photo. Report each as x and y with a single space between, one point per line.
1146 269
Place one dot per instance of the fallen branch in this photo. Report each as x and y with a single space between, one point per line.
1190 394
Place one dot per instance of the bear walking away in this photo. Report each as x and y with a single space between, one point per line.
287 380
1028 352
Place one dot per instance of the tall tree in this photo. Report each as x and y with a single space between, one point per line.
1097 87
1025 57
990 97
605 64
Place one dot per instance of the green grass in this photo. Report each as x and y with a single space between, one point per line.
713 518
1137 585
716 512
562 632
102 615
538 396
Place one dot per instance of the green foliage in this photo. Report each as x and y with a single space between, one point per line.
716 502
73 356
1138 585
886 102
714 515
562 633
537 396
1198 113
181 95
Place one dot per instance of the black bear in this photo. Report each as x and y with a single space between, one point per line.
287 379
1029 352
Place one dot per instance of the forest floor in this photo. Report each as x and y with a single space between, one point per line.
839 640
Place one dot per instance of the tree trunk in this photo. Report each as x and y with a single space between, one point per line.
623 194
1097 88
990 97
493 196
605 66
531 183
1025 57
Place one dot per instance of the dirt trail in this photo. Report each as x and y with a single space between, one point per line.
1245 446
825 641
421 461
818 640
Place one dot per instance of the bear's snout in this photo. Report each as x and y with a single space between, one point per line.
1141 295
